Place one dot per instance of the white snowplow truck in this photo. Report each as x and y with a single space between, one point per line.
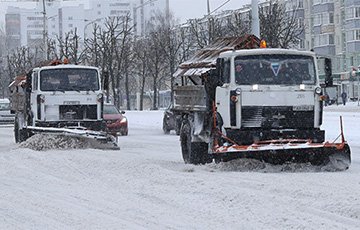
60 99
238 100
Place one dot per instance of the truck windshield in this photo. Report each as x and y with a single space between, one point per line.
274 70
69 80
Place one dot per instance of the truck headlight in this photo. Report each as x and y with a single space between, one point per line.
256 87
318 90
42 98
99 97
302 87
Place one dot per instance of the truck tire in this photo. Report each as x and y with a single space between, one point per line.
20 134
165 127
192 152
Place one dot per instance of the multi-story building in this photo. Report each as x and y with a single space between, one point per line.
25 26
333 30
352 30
13 28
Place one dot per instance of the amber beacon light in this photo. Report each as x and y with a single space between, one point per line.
263 44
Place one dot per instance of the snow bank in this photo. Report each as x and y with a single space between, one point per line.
43 142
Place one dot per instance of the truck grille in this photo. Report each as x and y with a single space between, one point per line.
275 117
78 112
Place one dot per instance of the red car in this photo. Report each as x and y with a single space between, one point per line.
116 122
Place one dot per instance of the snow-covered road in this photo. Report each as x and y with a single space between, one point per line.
146 185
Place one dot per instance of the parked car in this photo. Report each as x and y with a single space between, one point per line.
171 121
116 122
5 114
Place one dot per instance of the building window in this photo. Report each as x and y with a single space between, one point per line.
301 4
324 40
301 44
350 35
70 25
331 18
352 12
357 12
353 35
99 12
300 23
70 18
98 5
324 18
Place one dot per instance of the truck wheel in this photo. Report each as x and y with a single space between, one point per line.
165 127
177 125
20 134
124 133
16 130
192 152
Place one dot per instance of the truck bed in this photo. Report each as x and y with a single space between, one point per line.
190 98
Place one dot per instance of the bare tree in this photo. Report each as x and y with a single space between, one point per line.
237 24
141 70
169 42
162 51
125 57
278 27
69 48
92 55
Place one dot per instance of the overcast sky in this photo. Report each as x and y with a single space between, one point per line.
186 9
183 9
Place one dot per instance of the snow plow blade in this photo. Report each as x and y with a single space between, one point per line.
335 155
96 139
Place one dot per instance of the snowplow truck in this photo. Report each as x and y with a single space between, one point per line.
58 98
240 100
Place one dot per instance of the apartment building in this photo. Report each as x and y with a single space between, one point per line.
25 26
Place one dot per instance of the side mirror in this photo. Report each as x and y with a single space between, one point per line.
106 80
328 73
214 79
28 82
220 71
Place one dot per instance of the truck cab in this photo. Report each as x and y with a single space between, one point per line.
268 94
66 95
56 97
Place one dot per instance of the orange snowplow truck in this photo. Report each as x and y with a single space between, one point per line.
59 98
238 98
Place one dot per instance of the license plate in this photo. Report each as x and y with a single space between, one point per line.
303 107
71 102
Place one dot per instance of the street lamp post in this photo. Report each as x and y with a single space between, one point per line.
87 24
45 32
